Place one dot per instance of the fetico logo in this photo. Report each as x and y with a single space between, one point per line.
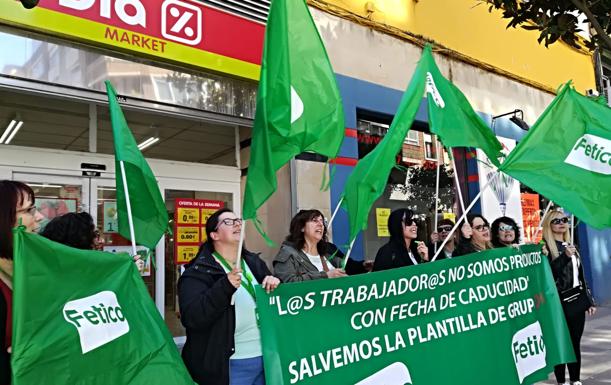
394 374
98 319
431 89
528 349
591 153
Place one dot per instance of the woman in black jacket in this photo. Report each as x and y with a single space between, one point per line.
565 262
402 249
217 307
480 237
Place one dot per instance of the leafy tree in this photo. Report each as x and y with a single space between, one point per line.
558 19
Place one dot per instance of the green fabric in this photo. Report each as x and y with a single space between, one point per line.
566 156
492 317
452 117
148 208
368 179
49 347
298 104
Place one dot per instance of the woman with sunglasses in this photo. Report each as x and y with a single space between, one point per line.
480 237
437 238
505 232
306 254
216 296
16 208
402 249
575 296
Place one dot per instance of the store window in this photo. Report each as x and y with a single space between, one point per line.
45 60
411 184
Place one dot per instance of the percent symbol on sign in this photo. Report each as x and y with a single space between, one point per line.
182 22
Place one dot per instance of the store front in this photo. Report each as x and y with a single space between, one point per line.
192 107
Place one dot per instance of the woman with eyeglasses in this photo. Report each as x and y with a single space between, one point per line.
505 232
437 238
216 295
306 254
575 296
480 237
16 208
402 249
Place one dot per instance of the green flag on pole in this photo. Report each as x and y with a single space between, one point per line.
566 156
148 209
299 108
453 119
368 179
97 325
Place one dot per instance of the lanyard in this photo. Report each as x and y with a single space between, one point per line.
411 256
248 285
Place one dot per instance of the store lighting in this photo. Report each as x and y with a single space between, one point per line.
44 185
10 131
515 119
147 143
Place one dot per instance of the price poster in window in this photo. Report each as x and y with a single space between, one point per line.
190 216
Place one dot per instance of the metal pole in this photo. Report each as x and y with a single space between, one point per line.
572 229
348 254
130 219
335 212
541 221
456 181
464 215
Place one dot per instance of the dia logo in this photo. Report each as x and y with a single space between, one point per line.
99 319
528 350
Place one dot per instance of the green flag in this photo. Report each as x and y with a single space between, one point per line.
148 209
452 117
298 105
566 156
85 317
368 179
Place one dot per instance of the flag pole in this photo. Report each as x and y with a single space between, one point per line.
572 229
541 221
345 261
436 190
464 215
335 212
130 219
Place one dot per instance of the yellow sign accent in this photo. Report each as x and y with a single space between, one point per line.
188 216
186 253
187 234
206 213
204 237
382 215
450 216
109 37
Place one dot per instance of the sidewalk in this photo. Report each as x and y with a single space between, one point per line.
595 350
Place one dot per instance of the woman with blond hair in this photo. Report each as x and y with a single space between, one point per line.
575 296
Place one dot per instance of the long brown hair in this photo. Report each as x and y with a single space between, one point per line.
296 235
13 195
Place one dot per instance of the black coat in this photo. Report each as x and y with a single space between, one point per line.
464 248
204 295
562 270
393 255
5 371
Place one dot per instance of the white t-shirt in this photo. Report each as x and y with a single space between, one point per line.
315 259
247 335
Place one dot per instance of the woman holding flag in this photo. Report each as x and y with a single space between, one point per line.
16 208
216 294
480 237
575 296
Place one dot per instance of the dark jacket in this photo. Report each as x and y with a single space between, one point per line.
464 248
204 295
393 255
5 371
562 270
441 255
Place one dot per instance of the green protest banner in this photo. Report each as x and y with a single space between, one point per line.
492 318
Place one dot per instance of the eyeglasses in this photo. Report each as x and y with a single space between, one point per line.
558 221
319 220
506 228
481 227
229 222
444 229
30 210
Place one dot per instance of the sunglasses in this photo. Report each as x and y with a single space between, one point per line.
229 222
30 210
558 221
408 223
444 229
481 227
506 228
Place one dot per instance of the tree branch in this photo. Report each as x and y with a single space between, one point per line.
592 19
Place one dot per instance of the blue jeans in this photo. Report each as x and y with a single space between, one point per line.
248 371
